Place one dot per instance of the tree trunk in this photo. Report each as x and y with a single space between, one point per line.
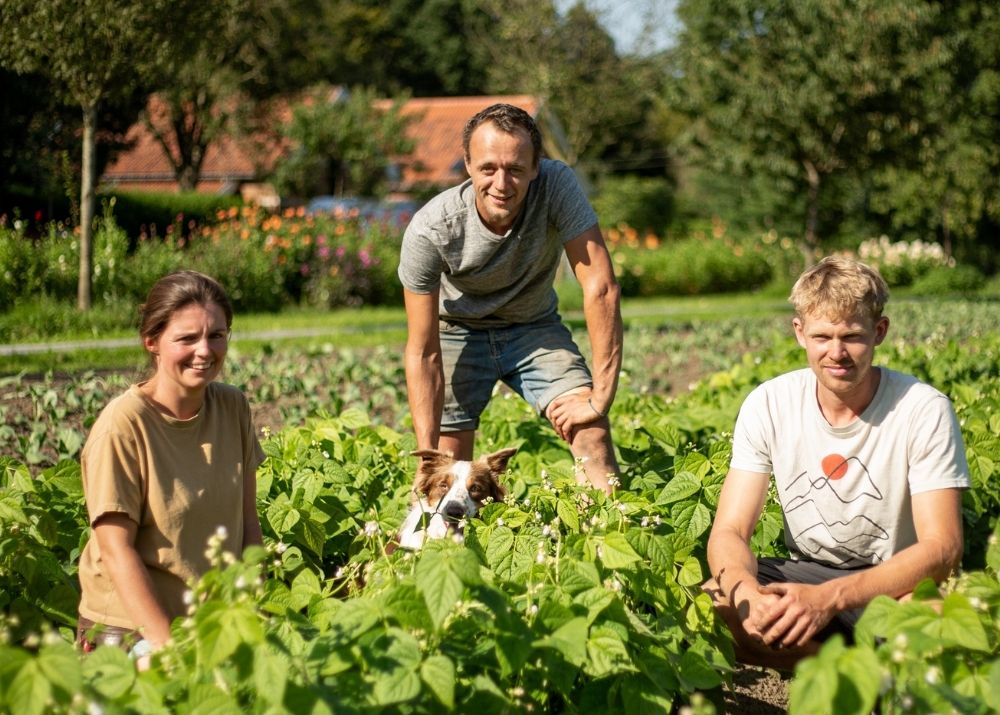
812 205
84 287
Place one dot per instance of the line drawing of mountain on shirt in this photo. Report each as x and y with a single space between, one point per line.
856 490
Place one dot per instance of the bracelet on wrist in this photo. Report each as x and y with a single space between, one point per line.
599 413
141 648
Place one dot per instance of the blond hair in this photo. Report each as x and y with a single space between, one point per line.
840 288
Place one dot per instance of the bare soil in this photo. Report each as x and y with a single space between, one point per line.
757 691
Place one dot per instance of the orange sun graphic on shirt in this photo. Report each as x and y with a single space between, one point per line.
834 466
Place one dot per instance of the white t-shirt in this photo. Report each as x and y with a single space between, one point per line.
845 491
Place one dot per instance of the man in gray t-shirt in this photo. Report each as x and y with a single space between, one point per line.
868 466
477 266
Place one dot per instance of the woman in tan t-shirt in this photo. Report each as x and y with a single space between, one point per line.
168 464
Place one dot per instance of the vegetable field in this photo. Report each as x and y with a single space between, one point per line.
557 599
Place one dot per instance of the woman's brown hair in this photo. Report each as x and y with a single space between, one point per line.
176 291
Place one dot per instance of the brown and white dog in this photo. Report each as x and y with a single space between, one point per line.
447 490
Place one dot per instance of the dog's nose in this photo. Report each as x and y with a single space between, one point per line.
454 511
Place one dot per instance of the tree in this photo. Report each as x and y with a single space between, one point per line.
949 184
93 51
343 143
603 102
797 94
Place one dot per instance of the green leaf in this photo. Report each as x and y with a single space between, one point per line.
396 686
354 418
577 575
312 535
281 515
30 690
512 651
696 673
109 670
607 653
270 675
701 519
439 584
223 628
641 697
61 665
500 546
683 485
814 688
690 573
993 691
616 552
205 699
305 587
858 685
568 515
438 673
959 625
570 639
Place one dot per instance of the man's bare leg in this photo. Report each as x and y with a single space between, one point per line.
592 444
460 444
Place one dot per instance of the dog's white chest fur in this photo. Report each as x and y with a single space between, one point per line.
426 521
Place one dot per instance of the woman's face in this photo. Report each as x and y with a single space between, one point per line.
190 351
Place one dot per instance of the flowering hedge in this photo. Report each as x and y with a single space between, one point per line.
266 261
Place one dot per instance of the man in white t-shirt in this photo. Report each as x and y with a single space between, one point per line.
868 466
477 267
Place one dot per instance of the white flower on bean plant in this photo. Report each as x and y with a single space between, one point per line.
372 528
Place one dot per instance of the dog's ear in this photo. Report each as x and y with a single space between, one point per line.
431 459
497 462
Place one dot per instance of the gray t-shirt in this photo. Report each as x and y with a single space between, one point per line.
845 491
488 280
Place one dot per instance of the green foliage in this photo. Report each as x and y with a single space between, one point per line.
931 654
644 203
943 280
165 214
342 142
842 119
692 266
557 597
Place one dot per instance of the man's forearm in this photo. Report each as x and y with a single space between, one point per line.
602 311
899 575
732 562
425 393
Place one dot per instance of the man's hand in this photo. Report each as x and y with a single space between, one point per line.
570 411
795 613
752 607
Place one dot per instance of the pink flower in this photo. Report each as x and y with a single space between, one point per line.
324 251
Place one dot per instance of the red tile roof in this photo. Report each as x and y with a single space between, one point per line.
436 160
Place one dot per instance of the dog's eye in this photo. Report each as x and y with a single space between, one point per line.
476 491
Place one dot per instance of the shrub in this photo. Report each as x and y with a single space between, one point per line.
902 262
646 203
944 280
162 213
690 266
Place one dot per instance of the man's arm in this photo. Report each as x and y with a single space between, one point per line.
424 368
803 610
589 259
734 567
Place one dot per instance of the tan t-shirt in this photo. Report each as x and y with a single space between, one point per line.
179 480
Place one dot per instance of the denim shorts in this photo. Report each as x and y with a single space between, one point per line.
775 570
539 361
